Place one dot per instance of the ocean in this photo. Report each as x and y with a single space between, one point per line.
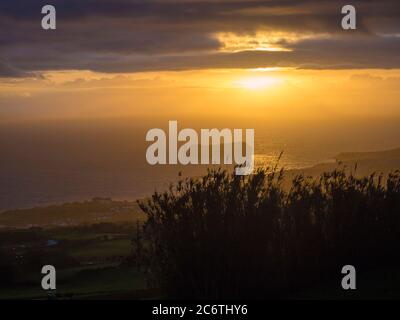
54 163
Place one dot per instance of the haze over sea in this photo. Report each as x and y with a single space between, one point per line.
57 162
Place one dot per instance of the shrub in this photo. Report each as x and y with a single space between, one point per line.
227 236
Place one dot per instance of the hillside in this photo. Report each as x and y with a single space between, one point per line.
97 210
360 163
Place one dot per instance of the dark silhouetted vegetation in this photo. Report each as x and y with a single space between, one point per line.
227 236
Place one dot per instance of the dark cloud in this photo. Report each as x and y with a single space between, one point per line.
129 35
7 70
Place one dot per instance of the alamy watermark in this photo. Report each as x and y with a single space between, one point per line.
196 150
49 18
348 21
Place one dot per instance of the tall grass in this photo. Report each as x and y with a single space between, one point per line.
227 236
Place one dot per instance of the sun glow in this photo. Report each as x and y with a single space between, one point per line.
260 41
257 83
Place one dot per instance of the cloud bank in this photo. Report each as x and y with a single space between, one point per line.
152 35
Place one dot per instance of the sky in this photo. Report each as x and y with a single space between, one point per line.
278 61
76 102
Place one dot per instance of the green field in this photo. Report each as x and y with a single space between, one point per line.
103 249
91 261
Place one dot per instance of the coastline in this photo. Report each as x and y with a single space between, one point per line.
358 163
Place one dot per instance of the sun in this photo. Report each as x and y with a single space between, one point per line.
257 83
